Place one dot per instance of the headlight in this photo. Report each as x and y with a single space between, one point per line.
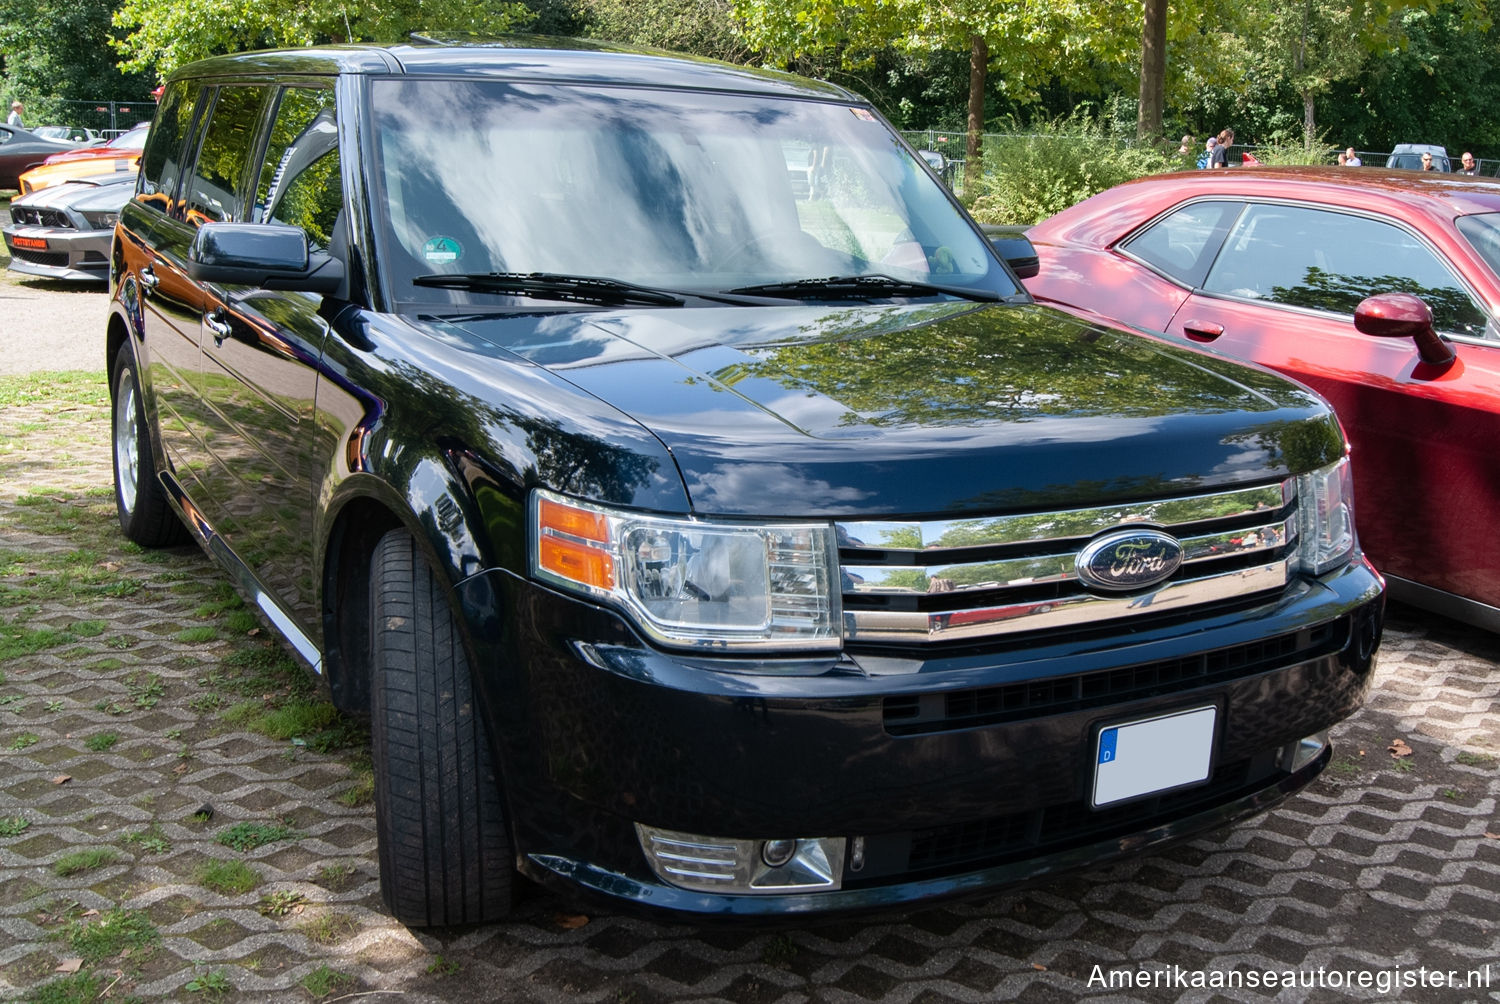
694 583
102 221
1325 507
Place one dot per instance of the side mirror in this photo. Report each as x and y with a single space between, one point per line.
265 255
1014 248
1403 315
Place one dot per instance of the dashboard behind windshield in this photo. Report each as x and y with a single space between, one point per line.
693 191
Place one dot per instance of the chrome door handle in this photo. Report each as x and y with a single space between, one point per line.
149 278
216 323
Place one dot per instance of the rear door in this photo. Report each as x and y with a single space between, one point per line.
1282 291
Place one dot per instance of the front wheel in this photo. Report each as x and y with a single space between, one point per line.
445 855
145 514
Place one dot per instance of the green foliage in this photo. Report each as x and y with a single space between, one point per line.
59 61
13 826
323 981
702 27
1283 151
111 933
152 840
1043 170
80 988
85 860
232 878
164 36
213 982
247 836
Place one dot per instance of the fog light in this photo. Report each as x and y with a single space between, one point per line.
732 865
1295 756
776 853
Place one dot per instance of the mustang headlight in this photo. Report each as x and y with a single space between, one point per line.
1325 507
690 582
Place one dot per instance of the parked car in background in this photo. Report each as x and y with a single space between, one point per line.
21 150
77 135
1276 265
1410 156
123 153
63 232
697 538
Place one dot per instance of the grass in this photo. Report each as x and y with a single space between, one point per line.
440 967
25 740
102 742
85 860
1475 759
328 928
323 981
152 840
13 826
107 936
80 988
281 902
247 836
231 878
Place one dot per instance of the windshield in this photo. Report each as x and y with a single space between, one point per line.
687 191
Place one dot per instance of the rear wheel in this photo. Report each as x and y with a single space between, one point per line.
145 515
445 856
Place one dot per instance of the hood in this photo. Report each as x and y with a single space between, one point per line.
100 193
925 410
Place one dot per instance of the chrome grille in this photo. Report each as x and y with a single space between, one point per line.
959 580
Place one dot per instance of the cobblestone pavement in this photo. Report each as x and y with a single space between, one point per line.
1386 863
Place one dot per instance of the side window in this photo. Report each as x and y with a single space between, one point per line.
1182 243
1331 261
218 176
300 183
161 161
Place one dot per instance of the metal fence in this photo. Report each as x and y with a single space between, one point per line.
109 118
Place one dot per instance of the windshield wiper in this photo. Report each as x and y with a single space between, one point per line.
583 288
841 286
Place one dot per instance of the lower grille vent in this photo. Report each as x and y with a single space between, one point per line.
965 709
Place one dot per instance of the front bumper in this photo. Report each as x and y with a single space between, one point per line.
72 255
984 786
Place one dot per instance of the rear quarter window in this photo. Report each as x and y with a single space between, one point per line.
1182 244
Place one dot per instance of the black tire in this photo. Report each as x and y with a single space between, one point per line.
145 514
445 853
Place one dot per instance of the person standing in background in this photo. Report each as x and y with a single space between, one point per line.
1220 156
1469 167
14 118
1351 159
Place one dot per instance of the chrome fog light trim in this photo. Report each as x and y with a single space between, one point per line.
732 865
1296 755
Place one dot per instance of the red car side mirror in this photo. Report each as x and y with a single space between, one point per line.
1403 315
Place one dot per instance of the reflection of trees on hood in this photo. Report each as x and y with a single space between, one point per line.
564 459
1012 363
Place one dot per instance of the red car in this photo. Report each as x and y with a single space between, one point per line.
1275 265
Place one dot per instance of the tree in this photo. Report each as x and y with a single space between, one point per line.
1153 70
1312 44
702 27
1026 44
58 52
163 36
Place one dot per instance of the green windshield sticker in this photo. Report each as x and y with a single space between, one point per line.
441 250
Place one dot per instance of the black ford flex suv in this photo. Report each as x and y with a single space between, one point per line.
692 497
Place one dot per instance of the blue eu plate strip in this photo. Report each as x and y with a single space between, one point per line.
1107 740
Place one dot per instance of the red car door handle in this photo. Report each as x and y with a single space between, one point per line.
1202 331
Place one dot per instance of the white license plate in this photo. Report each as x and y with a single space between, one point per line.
1155 754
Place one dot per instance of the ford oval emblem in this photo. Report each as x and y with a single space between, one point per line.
1129 559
